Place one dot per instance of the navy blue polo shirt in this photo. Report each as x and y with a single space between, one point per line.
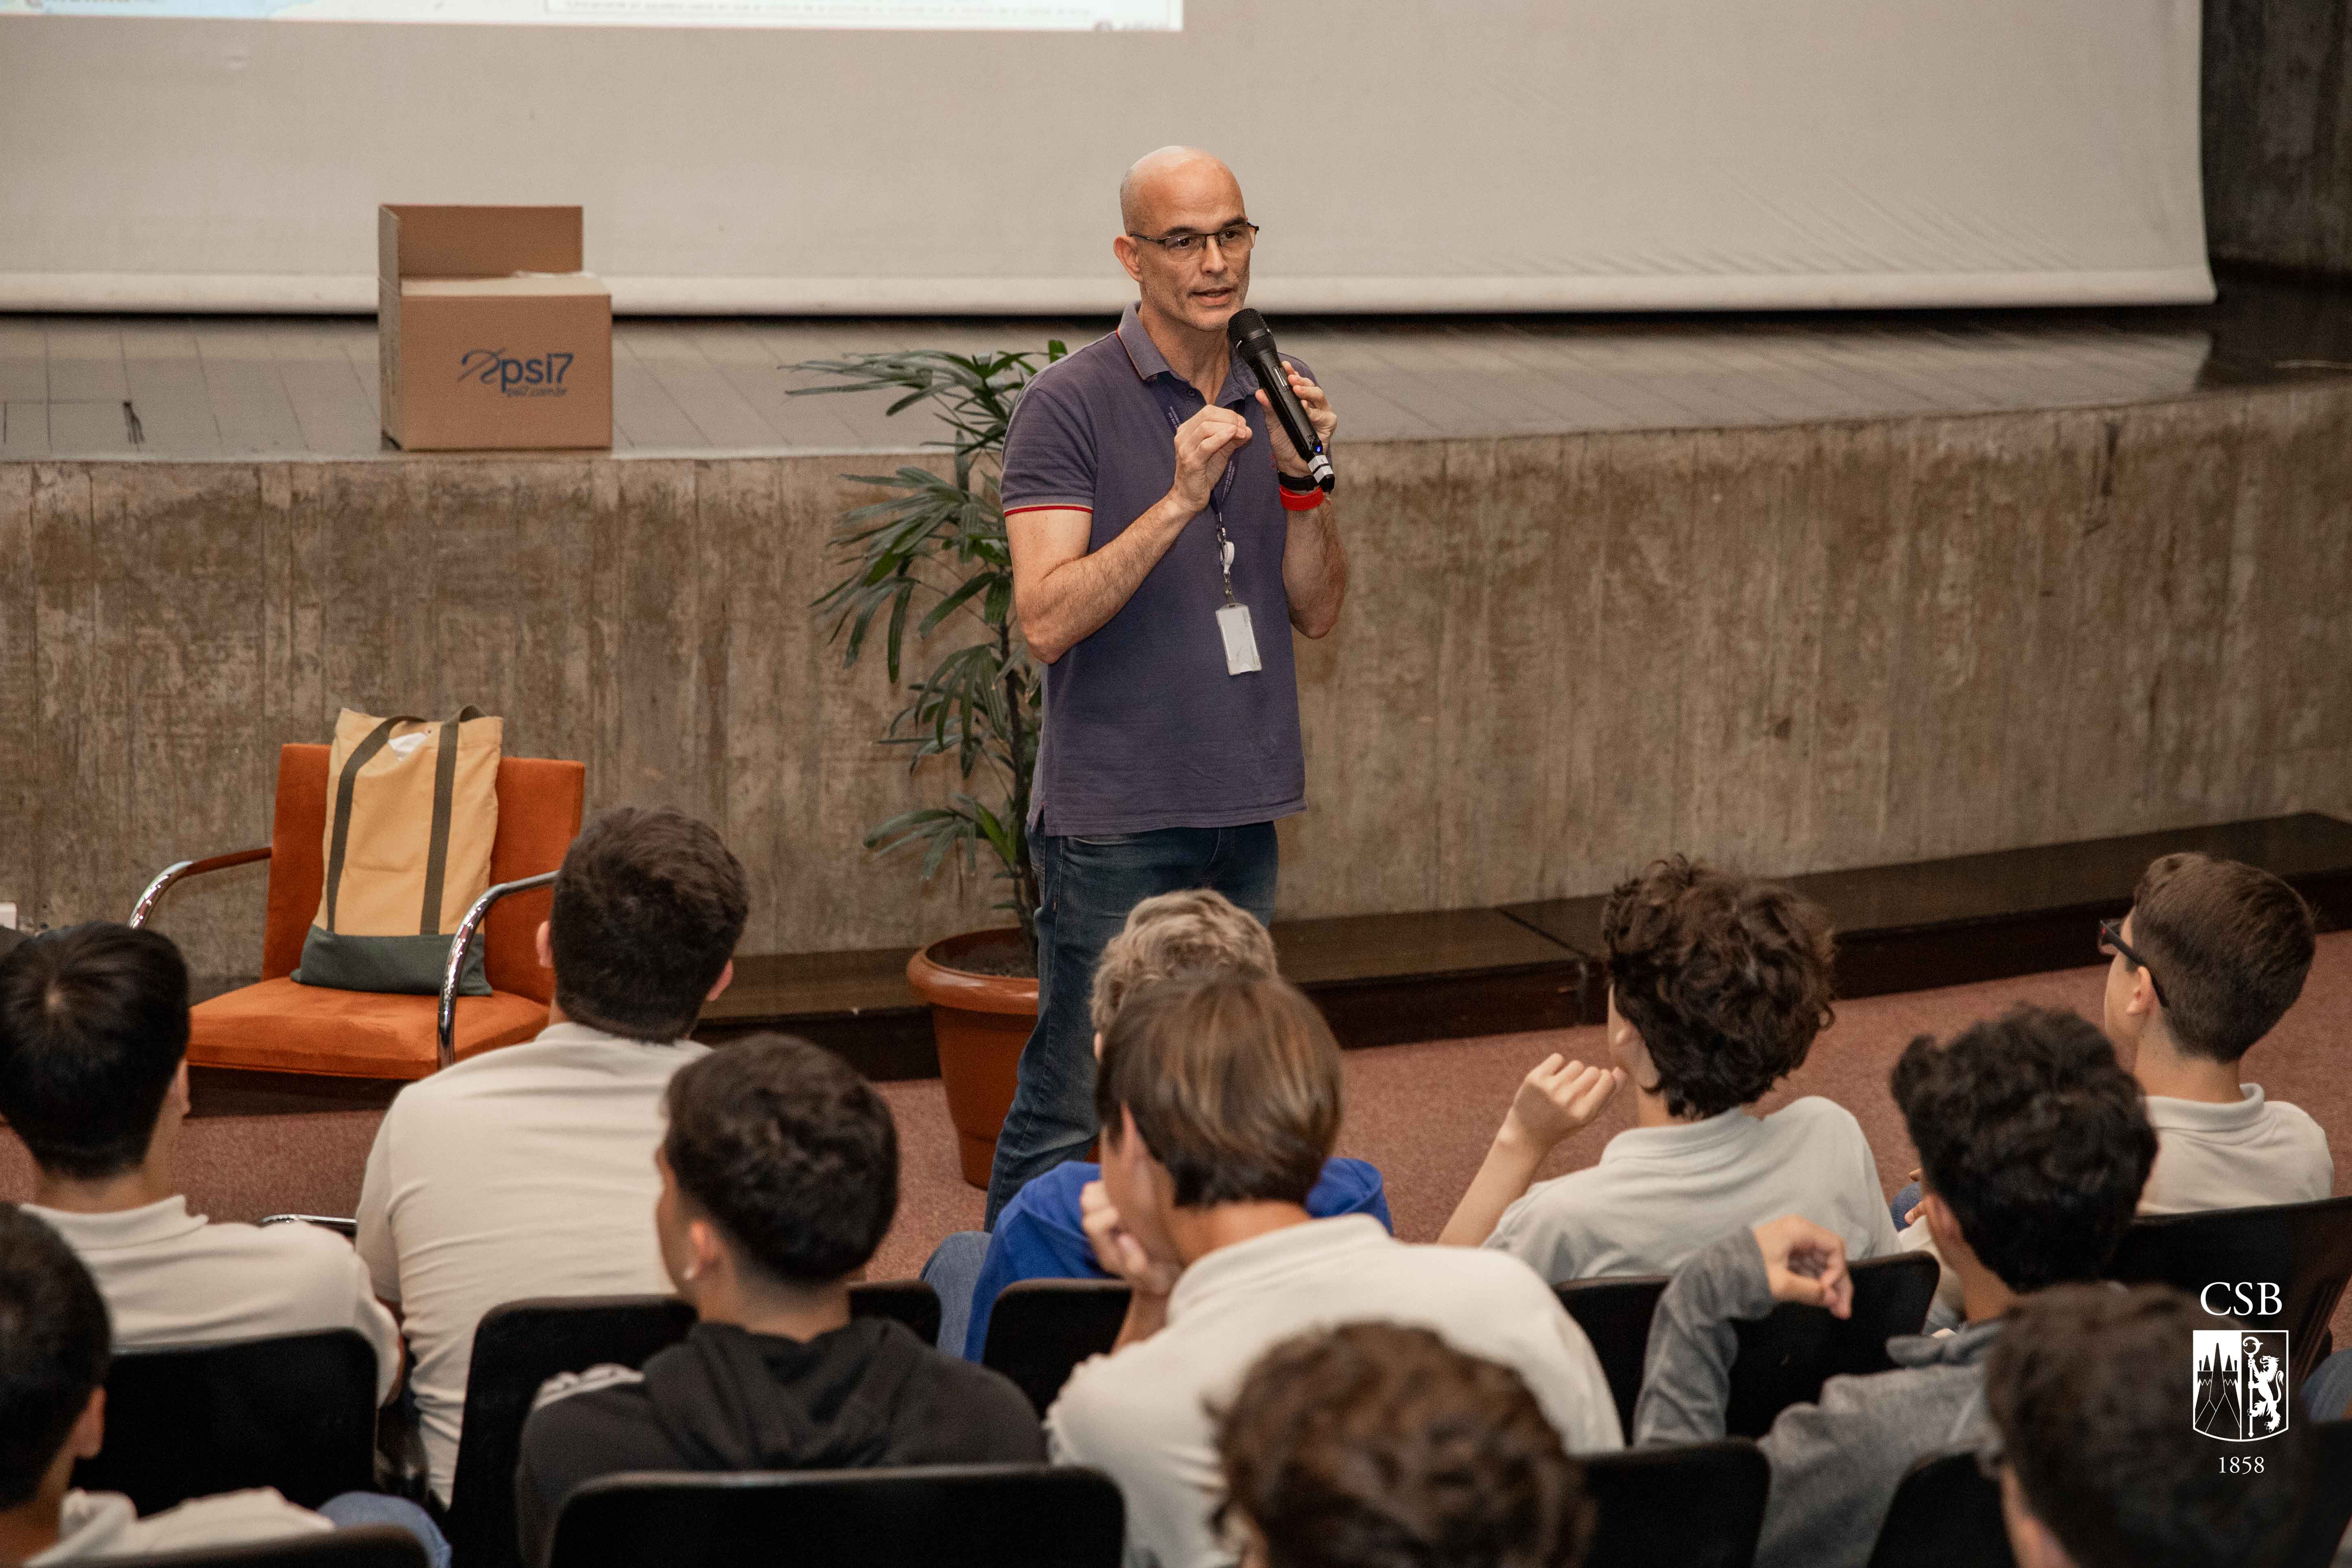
1144 729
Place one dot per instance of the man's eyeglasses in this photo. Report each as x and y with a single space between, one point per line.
2111 940
1233 239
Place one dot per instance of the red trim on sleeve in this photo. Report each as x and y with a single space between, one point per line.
1048 506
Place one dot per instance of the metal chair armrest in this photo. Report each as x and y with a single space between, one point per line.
460 945
179 870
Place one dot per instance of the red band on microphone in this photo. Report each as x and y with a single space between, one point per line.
1295 501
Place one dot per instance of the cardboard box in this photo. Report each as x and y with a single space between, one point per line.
488 334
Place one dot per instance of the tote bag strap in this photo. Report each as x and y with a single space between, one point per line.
362 755
444 793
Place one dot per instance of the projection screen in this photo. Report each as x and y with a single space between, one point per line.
1402 154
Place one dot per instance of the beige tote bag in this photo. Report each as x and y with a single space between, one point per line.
412 809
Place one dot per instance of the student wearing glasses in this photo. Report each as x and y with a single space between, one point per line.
1166 540
2210 959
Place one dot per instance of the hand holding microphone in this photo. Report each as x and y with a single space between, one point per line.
1300 412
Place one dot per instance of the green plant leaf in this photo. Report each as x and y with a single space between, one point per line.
942 536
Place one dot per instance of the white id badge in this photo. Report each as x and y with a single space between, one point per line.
1241 643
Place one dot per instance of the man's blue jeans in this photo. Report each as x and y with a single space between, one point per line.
1085 886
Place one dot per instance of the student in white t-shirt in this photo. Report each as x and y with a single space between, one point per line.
529 1171
94 1078
1718 986
54 1352
1219 1099
2210 959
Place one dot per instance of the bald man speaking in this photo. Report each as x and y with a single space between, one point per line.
1166 538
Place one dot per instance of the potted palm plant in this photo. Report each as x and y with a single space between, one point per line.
930 557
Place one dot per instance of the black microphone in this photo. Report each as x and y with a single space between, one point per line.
1250 340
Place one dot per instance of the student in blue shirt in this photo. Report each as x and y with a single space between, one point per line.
1038 1235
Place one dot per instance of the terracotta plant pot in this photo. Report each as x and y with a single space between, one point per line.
980 1023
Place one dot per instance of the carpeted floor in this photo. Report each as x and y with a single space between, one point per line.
1421 1113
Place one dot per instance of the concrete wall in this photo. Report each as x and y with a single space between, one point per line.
1793 648
2278 133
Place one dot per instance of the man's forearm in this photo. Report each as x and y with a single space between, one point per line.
1074 600
1314 571
1502 1181
1147 1314
1686 1381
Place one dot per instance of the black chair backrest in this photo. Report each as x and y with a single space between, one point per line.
1040 1330
2304 1249
2330 1512
1615 1316
520 1345
1946 1513
1785 1357
1694 1507
363 1546
911 1302
292 1411
943 1516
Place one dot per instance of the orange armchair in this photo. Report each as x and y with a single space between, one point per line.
278 1026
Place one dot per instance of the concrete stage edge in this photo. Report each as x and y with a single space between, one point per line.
1792 649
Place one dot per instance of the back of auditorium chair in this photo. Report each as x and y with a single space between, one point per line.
1946 1513
938 1516
519 1346
911 1303
1040 1330
516 1348
1785 1357
363 1546
2330 1512
2304 1248
1615 1316
292 1411
1699 1506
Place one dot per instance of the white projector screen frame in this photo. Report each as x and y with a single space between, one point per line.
1402 154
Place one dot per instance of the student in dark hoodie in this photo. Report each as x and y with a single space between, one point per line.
779 1178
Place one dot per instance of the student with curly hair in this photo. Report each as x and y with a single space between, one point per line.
2089 1388
1718 987
1378 1446
2033 1148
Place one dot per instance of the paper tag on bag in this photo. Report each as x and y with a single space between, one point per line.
1241 642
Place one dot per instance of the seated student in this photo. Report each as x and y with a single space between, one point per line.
94 1078
779 1178
2226 948
1718 986
1377 1446
1219 1100
2033 1148
53 1350
1040 1236
527 1171
2208 960
2089 1389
